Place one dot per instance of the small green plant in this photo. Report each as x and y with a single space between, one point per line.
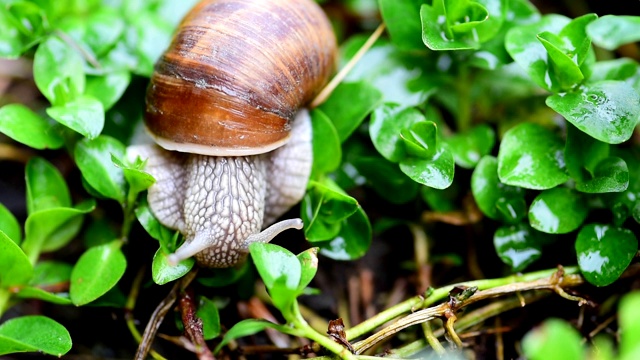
483 97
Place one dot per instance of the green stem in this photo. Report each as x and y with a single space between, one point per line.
419 302
308 332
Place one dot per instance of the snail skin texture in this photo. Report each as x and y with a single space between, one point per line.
225 105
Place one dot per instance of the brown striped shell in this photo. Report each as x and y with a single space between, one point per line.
236 73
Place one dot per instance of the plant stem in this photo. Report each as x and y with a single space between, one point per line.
308 332
419 302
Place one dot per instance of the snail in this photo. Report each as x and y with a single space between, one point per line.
225 106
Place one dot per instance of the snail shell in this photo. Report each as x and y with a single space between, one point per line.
236 74
224 96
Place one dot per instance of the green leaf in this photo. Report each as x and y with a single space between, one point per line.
137 179
522 44
402 19
353 240
34 333
58 71
252 326
162 272
30 292
517 245
495 199
323 208
606 110
15 268
327 153
281 273
531 157
387 123
108 88
99 231
49 272
24 126
564 68
208 313
51 229
349 104
470 146
308 267
93 157
103 28
623 69
604 252
153 227
84 114
610 175
96 272
386 179
12 42
452 25
9 225
629 321
436 172
611 31
558 211
583 153
554 340
420 139
46 188
401 77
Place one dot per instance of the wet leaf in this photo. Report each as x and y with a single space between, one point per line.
436 172
558 211
606 110
610 175
611 31
495 199
604 252
353 240
522 44
470 146
531 157
518 245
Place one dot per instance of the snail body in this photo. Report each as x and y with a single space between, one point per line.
225 105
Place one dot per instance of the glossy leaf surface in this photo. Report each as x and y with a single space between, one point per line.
557 211
611 31
495 199
606 110
604 252
531 157
517 245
